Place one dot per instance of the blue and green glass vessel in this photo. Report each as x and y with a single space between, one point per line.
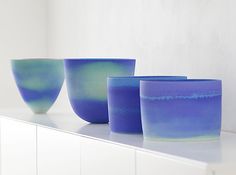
39 81
86 80
124 102
181 110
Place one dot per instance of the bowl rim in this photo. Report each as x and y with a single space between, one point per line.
99 59
37 59
146 76
183 80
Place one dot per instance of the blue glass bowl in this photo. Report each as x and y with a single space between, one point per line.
181 110
39 81
87 85
124 102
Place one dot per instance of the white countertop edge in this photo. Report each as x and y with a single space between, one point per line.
156 153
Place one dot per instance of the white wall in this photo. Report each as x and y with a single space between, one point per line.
187 37
22 34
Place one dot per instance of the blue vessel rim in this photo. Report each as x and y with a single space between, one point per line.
137 77
100 59
184 80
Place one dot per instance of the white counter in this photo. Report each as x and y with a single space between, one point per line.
218 156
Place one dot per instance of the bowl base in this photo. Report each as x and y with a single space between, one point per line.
192 139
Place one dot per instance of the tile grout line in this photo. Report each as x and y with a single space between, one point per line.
80 155
135 162
36 150
0 148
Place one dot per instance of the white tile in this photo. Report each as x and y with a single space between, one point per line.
18 148
58 153
151 164
99 158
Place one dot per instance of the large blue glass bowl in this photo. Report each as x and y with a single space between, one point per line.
181 110
39 81
87 85
124 102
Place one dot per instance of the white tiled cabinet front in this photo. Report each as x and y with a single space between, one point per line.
151 164
100 158
18 148
58 153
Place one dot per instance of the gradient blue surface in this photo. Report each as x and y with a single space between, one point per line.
124 102
181 110
39 81
87 85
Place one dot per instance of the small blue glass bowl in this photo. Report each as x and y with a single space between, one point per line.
124 102
181 110
87 84
39 81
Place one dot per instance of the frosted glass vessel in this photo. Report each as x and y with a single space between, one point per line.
181 110
87 85
124 102
39 81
